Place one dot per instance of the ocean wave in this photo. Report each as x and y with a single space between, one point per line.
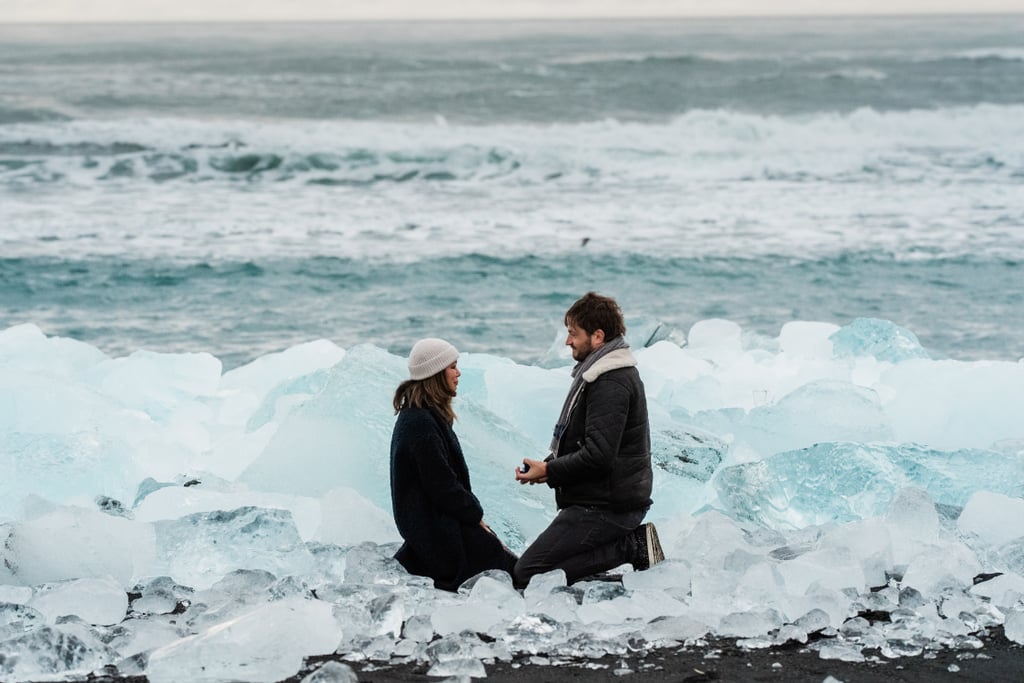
45 148
633 58
894 58
9 115
924 185
30 162
854 74
725 144
1008 54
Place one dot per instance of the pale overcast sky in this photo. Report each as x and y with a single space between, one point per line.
299 10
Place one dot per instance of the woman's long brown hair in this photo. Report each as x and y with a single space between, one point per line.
432 392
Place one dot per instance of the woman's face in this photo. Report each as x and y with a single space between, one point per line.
451 377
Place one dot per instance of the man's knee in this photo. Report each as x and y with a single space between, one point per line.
521 574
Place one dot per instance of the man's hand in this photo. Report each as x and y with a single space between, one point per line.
537 472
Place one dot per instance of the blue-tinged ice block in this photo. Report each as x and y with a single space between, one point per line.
71 542
882 339
49 653
991 525
62 467
268 643
339 436
842 482
100 601
822 410
198 549
158 384
26 349
687 452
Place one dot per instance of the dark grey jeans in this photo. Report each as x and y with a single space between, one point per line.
581 541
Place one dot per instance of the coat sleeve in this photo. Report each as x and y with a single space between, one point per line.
607 403
440 483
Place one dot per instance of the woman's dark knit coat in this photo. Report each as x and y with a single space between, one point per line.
434 507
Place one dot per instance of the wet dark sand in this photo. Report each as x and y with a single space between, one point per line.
999 661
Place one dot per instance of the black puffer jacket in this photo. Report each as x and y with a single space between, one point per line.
604 456
434 507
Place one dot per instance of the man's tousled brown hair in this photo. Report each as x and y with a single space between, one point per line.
593 312
432 392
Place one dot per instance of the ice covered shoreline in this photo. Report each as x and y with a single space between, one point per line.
832 473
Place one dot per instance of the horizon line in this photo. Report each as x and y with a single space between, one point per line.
510 18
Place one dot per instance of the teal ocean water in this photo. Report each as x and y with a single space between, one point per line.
240 188
967 308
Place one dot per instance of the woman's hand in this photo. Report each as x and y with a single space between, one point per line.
491 532
536 472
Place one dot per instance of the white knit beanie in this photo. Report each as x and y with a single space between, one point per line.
429 357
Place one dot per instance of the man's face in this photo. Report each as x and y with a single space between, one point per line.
581 342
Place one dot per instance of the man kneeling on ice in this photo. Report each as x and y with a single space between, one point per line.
600 460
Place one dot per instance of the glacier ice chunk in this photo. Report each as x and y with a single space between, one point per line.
667 575
335 438
454 655
1003 591
73 542
349 518
199 549
1014 626
137 636
332 672
842 482
680 629
160 596
818 411
65 466
95 601
750 624
834 568
949 566
267 644
876 338
47 652
954 405
992 517
16 619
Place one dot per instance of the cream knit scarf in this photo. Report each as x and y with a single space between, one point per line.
578 384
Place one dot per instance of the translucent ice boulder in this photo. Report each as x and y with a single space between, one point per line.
72 542
267 643
880 339
824 410
199 549
841 482
95 601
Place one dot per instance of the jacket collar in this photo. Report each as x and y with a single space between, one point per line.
614 360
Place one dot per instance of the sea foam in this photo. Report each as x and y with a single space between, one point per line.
804 185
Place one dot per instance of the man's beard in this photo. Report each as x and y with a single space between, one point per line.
580 354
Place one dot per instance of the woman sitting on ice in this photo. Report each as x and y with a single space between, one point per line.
439 518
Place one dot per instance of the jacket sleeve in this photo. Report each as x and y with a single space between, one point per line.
441 486
607 404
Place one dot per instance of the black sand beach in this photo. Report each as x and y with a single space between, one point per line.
999 661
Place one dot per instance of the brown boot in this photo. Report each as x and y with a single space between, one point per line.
648 547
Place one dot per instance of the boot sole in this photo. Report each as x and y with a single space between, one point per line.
654 552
